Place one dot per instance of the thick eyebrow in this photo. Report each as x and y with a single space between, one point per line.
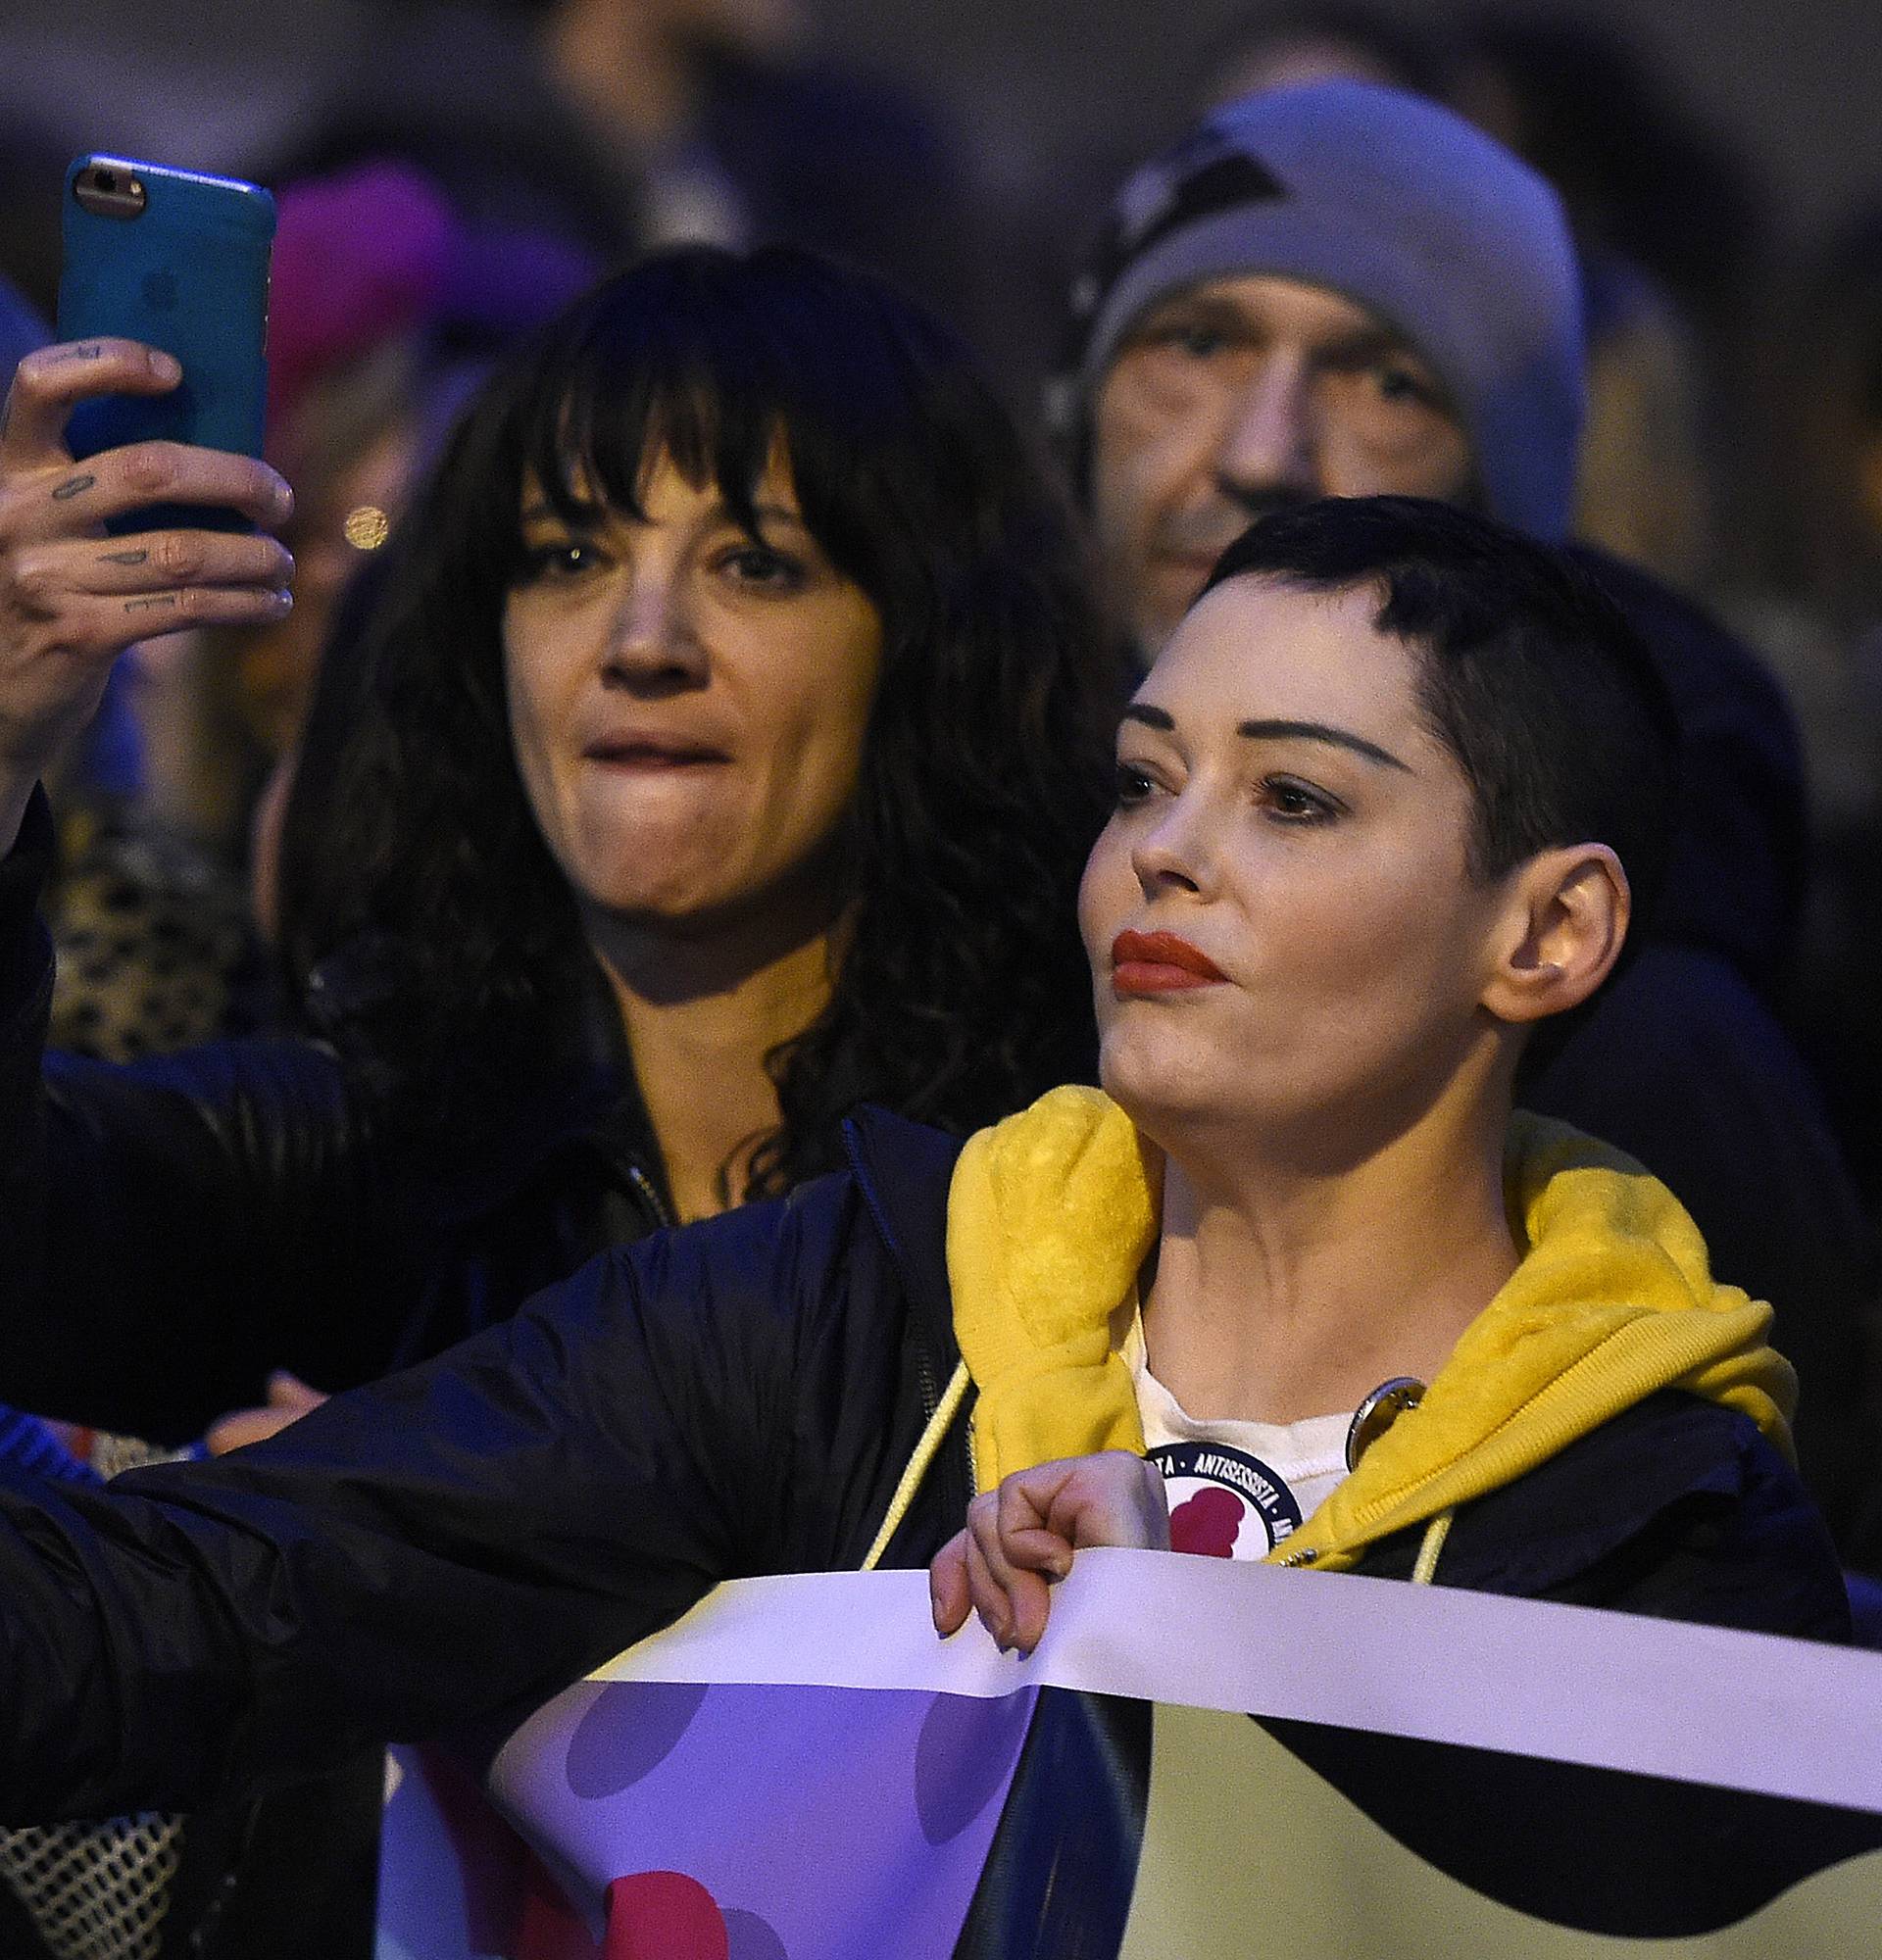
1318 731
1277 731
1192 309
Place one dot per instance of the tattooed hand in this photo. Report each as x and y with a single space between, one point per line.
72 597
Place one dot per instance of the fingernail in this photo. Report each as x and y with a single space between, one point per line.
284 601
165 367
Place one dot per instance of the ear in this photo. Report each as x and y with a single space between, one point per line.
1560 933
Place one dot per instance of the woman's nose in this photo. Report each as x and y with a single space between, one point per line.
1175 853
652 640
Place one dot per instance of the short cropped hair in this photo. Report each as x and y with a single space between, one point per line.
1528 673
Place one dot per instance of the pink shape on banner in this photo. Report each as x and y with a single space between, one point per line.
664 1916
1207 1523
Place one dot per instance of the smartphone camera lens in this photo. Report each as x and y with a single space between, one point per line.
108 190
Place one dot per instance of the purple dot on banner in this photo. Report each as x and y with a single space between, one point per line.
965 1753
627 1733
749 1937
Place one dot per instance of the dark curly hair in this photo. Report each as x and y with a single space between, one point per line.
962 991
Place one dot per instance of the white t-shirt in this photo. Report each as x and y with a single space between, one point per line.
1236 1488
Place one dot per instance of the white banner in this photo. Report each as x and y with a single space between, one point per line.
1612 1690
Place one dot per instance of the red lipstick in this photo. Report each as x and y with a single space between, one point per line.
1158 962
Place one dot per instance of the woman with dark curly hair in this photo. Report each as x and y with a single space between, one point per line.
855 478
721 753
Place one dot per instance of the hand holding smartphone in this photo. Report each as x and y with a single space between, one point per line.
134 502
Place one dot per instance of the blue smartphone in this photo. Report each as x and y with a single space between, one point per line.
178 260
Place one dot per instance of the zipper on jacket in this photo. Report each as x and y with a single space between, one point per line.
932 1392
929 1388
650 1196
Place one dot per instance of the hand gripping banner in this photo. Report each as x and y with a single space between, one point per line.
798 1770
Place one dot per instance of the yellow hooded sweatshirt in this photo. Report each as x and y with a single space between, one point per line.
1052 1212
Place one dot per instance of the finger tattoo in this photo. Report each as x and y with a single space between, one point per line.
72 487
86 350
164 601
126 558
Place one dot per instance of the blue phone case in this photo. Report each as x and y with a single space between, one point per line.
187 273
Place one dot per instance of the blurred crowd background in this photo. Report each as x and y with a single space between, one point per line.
451 170
450 173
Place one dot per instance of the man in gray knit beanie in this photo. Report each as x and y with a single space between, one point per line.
1331 290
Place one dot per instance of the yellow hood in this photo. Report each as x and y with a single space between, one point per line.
1051 1214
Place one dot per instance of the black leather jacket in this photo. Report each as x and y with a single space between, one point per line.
172 1231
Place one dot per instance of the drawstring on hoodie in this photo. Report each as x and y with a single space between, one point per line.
939 1423
1435 1534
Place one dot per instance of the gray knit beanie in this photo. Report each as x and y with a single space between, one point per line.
1396 204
